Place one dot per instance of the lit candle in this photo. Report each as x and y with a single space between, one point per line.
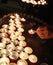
23 55
17 33
18 25
33 58
35 3
39 2
17 21
31 31
2 30
28 50
22 62
13 55
27 1
17 16
5 40
16 42
23 19
12 28
20 29
4 34
23 0
22 43
2 45
11 20
44 2
12 17
11 31
5 26
4 61
19 49
4 52
12 36
32 1
21 38
10 46
12 24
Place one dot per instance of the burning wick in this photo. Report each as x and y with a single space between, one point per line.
31 31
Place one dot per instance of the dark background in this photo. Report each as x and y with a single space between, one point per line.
44 13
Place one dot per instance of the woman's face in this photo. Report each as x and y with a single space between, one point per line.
42 32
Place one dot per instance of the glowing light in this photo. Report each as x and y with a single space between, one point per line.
23 19
28 50
31 31
22 62
23 55
13 44
33 58
22 43
13 55
21 38
41 2
4 61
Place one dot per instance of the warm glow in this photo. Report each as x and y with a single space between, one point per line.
41 2
13 45
31 31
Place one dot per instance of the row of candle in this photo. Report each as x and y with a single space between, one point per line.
13 45
41 2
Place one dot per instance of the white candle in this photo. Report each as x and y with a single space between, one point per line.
43 3
21 38
10 46
17 21
4 61
4 52
23 19
28 50
16 42
19 49
5 40
13 55
11 31
22 62
4 34
18 25
12 17
17 33
39 2
33 58
35 2
23 55
2 45
2 30
17 16
12 28
5 26
20 29
23 0
22 43
12 24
